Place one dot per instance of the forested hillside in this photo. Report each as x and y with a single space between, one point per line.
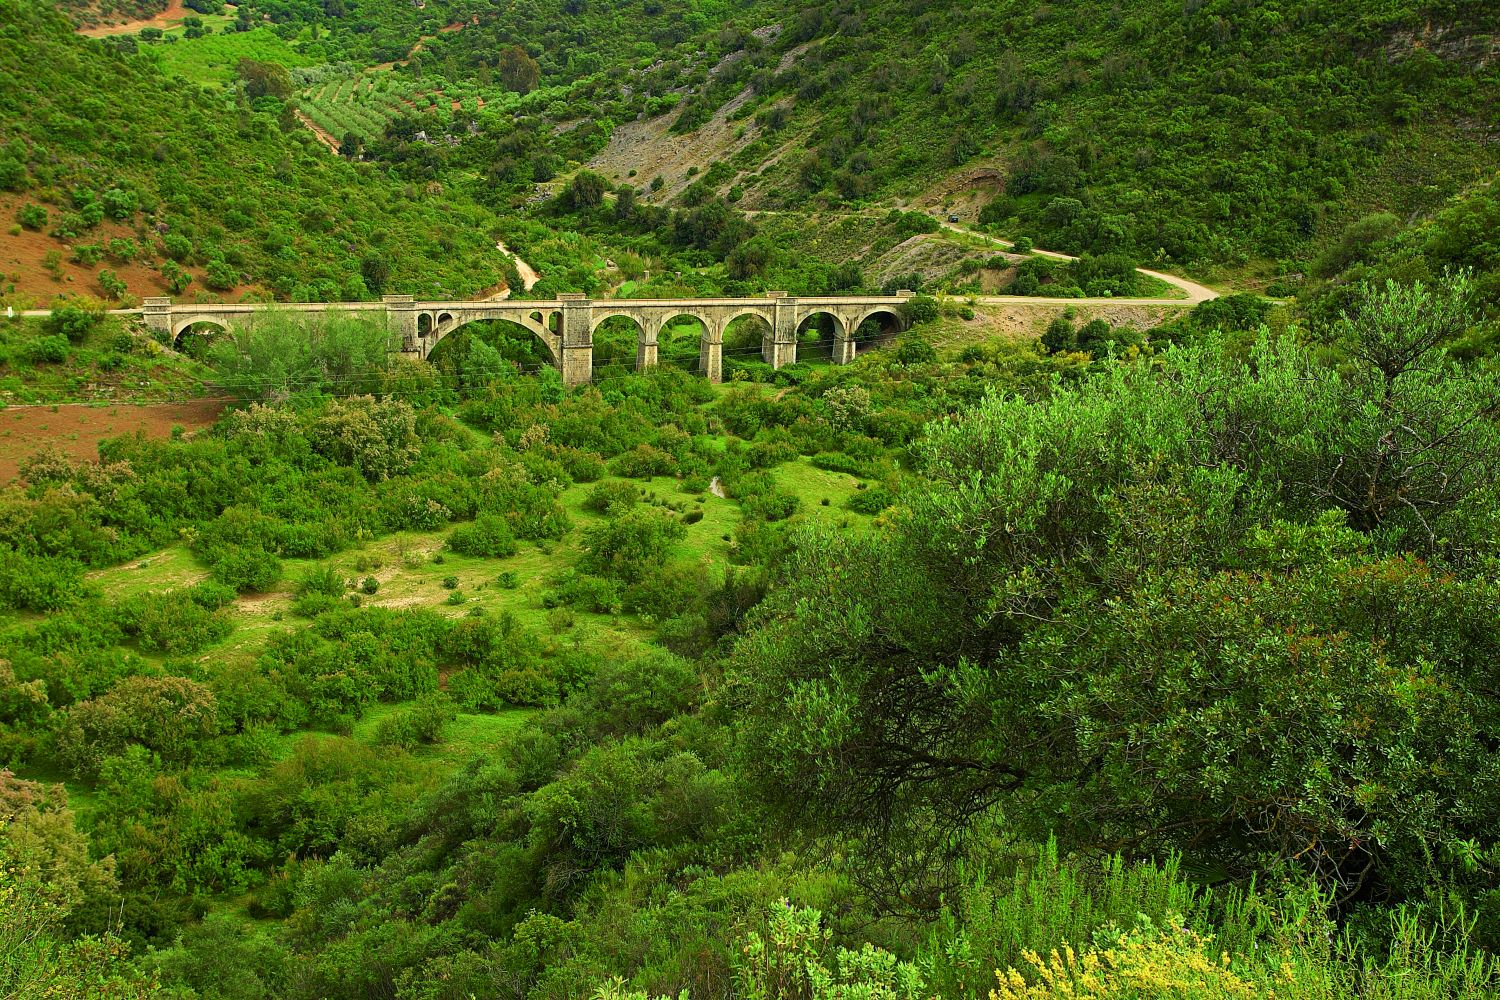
1075 642
1205 133
124 167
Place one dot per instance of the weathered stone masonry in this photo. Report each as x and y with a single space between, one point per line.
566 325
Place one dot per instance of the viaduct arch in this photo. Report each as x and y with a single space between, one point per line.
565 325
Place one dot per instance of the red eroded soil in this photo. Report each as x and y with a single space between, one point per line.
175 12
78 429
26 284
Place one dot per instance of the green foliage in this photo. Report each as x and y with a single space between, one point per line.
170 716
612 498
76 319
1159 514
246 568
280 220
631 545
920 309
489 535
278 356
376 437
32 216
420 725
52 350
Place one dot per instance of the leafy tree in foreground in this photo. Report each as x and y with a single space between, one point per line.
1171 609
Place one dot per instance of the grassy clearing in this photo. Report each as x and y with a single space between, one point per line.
212 58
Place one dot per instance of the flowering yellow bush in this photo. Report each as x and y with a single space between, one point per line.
1143 963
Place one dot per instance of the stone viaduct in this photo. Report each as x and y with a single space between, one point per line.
566 325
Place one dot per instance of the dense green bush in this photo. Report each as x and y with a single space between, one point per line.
612 498
46 350
489 535
170 716
631 545
421 724
246 568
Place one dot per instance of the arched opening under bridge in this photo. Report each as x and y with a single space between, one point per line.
478 352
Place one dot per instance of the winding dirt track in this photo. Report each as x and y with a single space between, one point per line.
1195 293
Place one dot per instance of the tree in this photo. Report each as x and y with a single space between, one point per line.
376 271
264 79
586 190
170 716
518 71
1127 613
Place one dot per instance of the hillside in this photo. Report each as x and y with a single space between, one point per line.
109 165
1207 133
1098 626
1206 136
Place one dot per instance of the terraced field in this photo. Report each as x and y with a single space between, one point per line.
365 103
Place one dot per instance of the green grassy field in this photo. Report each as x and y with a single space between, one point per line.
212 58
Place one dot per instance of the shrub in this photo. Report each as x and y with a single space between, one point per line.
12 174
915 351
377 437
169 716
221 276
369 585
46 350
38 583
75 319
643 462
588 593
612 498
772 505
87 254
508 580
177 248
631 545
321 580
119 204
920 309
112 285
211 595
421 724
1060 336
167 623
246 569
871 501
32 217
123 250
488 536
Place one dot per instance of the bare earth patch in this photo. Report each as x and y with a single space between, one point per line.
77 429
174 13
